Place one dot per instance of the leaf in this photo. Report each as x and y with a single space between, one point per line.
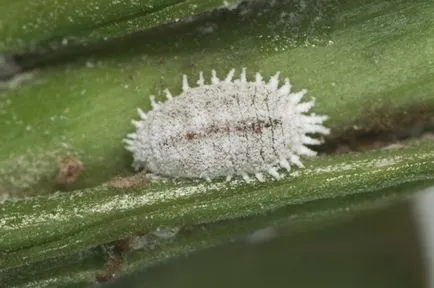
47 226
53 22
356 70
82 267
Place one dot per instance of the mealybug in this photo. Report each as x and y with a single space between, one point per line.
226 128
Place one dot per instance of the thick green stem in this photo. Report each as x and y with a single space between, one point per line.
47 226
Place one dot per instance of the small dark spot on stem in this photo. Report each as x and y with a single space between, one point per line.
69 169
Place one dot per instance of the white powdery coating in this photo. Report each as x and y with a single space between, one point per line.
226 128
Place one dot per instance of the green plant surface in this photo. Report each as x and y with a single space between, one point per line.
366 64
78 269
372 249
41 227
81 268
52 22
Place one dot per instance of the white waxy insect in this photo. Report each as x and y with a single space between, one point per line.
226 128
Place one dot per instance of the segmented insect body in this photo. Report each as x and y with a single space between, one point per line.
226 128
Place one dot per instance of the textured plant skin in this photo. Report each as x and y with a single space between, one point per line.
64 223
82 267
367 63
52 22
353 71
